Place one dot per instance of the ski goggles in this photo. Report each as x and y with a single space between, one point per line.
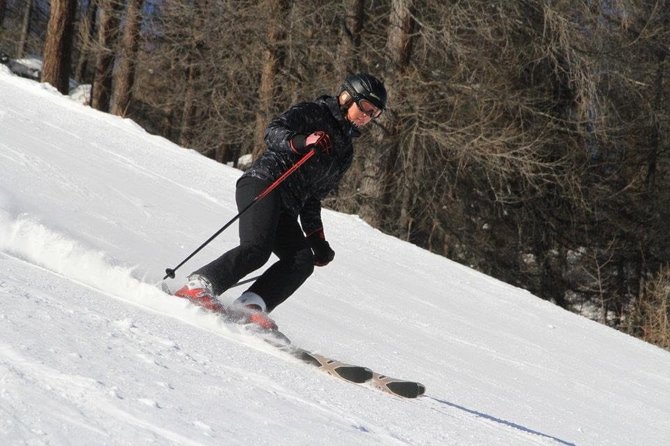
369 108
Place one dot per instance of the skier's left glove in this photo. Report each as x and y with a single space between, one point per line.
323 253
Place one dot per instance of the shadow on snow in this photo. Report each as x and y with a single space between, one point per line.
501 421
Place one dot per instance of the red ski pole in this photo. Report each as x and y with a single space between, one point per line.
169 272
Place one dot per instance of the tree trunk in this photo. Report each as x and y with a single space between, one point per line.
657 112
3 8
58 45
400 32
382 166
87 38
274 60
399 46
194 73
124 76
102 82
350 41
25 30
188 109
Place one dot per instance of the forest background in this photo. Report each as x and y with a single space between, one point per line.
529 139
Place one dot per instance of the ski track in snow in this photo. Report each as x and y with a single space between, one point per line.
80 393
105 398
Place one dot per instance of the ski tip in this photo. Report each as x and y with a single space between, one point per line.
276 338
399 387
164 287
406 389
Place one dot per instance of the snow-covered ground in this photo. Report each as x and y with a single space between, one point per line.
92 211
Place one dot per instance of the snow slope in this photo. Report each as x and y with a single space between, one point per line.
92 211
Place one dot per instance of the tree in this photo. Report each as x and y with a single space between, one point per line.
58 45
193 71
403 161
382 165
651 310
87 35
3 9
206 66
106 51
124 76
273 62
25 29
350 36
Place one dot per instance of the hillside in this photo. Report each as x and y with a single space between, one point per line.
93 209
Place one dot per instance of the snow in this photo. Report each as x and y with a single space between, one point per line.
92 211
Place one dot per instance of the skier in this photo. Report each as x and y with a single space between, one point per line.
328 125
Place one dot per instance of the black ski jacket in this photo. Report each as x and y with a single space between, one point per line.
302 191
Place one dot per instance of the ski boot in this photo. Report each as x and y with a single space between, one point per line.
252 310
199 291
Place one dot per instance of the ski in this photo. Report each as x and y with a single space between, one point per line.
400 387
333 367
348 372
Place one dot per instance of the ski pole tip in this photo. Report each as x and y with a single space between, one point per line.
169 272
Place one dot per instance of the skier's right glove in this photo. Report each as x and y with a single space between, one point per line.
323 253
320 140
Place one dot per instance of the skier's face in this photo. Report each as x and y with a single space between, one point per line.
362 112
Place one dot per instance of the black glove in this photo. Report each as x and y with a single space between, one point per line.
320 140
323 254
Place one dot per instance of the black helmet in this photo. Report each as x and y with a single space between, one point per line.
365 86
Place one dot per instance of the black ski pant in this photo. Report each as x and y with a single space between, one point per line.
264 229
